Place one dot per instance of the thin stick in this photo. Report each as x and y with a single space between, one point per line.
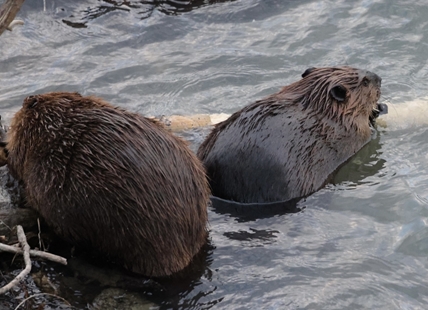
36 295
26 249
34 253
3 223
39 235
14 23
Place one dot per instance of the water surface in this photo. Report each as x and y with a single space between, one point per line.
360 243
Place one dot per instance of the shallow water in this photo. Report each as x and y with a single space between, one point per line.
361 243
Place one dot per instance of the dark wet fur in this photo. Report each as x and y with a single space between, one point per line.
287 145
110 180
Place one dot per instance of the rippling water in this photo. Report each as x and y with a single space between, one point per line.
360 243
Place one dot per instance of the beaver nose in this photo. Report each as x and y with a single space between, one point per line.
374 78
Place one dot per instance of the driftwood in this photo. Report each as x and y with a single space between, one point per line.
35 253
177 123
25 250
8 11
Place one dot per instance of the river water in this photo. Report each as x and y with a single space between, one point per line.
360 243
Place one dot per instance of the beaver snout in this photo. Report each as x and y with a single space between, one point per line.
374 78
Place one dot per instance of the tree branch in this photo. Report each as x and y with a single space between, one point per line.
26 249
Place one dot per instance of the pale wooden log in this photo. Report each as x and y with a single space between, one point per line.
177 123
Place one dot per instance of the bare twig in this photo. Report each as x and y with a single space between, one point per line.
14 23
3 223
26 249
8 11
41 294
34 253
39 235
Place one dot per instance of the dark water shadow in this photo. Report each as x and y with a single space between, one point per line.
143 9
89 274
245 212
254 237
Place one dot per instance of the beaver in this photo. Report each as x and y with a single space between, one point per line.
110 180
286 145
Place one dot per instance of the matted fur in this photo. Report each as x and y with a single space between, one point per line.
110 180
286 145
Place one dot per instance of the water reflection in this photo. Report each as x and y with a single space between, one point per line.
367 162
260 236
143 9
246 212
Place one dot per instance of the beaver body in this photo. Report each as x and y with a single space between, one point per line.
286 146
110 180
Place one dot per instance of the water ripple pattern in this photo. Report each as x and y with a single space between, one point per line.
359 243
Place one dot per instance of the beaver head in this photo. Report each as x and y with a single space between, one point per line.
344 94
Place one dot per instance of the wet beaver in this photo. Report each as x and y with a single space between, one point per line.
287 145
110 180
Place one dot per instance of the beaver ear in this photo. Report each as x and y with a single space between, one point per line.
309 70
338 92
30 102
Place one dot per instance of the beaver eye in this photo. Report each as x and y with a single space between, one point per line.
338 92
366 82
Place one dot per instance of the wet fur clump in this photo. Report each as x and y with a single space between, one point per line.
287 145
110 180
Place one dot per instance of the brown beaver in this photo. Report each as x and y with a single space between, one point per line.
286 145
110 180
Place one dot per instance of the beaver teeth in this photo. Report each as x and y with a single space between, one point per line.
377 110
